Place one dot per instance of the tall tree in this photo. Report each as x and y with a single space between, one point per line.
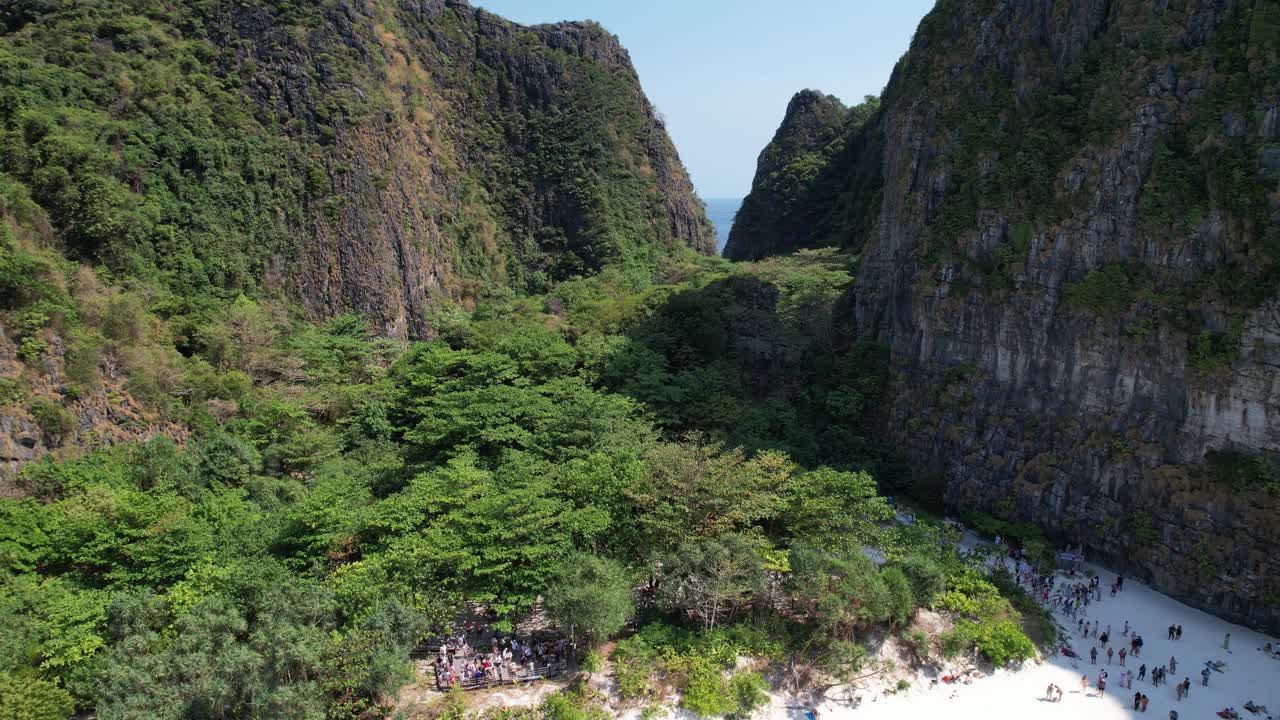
713 577
590 596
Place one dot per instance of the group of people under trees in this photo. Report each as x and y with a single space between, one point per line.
1073 600
479 658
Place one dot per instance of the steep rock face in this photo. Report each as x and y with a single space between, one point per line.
816 182
107 415
785 173
366 155
1072 260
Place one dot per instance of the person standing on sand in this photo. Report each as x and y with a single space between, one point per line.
1171 632
1178 634
1048 692
1110 653
1173 665
1084 684
1093 656
1137 700
1123 654
1142 672
1144 703
1205 674
1102 685
1186 687
1226 642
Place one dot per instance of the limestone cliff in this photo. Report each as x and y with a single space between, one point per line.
380 157
783 193
374 156
1072 254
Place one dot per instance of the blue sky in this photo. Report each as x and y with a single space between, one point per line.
722 71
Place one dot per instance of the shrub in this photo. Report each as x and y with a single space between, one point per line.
1144 530
918 641
1001 642
844 657
12 391
1105 291
749 691
901 597
52 418
226 459
706 693
634 660
926 577
30 698
1242 471
1211 351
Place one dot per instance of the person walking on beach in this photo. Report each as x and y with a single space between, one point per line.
1137 700
1205 674
1102 685
1177 691
1093 655
1173 665
1144 703
1123 654
1110 654
1171 630
1084 684
1142 672
1178 635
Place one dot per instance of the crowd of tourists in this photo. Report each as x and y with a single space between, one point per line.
480 658
1072 598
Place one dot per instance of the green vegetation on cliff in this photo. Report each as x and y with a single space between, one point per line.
801 196
205 149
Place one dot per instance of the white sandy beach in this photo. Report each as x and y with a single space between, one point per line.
1010 694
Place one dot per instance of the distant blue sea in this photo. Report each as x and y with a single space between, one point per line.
721 212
